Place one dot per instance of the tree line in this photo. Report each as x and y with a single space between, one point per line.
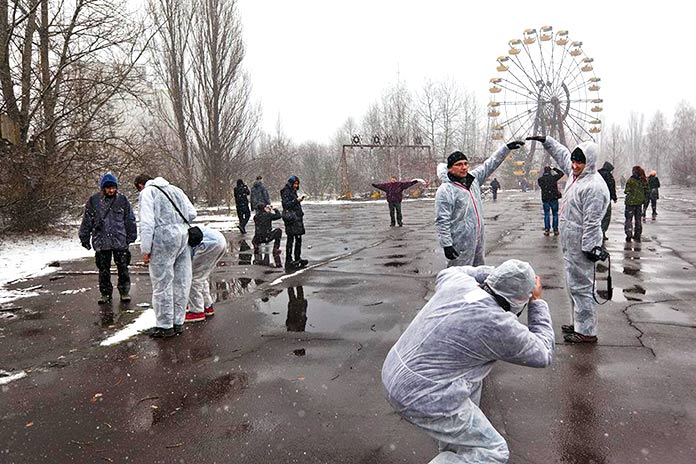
88 86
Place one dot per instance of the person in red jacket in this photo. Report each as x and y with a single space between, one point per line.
394 190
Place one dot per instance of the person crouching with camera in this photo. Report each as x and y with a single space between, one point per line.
584 203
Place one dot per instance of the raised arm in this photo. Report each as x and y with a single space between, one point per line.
559 153
482 172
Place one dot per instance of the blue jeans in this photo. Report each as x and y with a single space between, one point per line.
550 207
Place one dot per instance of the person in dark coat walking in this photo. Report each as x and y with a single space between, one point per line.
395 191
636 189
241 192
110 222
263 228
259 194
550 194
294 223
606 174
654 184
495 186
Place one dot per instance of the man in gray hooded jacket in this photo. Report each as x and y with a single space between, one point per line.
584 203
434 373
459 209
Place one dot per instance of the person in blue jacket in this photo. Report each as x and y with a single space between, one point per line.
110 223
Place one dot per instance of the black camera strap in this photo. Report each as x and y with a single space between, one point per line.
96 211
173 204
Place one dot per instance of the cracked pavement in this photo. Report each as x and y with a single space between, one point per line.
288 370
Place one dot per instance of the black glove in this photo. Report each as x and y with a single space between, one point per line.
86 245
515 144
538 138
597 254
451 253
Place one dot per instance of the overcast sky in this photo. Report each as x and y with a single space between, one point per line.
314 63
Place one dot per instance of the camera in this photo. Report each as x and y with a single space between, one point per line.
598 253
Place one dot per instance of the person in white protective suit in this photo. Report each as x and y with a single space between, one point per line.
434 372
205 257
582 209
164 244
458 206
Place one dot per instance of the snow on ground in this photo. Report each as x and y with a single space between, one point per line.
143 322
21 258
7 377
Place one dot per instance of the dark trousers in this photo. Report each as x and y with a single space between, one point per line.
103 260
243 214
275 235
550 209
633 216
395 207
297 241
495 194
606 219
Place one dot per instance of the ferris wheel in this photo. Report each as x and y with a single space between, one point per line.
545 85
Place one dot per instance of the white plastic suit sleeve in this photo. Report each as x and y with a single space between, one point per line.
482 172
146 214
559 153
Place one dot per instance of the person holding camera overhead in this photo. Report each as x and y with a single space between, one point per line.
584 203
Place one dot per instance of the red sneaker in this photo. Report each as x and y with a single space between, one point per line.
209 311
194 317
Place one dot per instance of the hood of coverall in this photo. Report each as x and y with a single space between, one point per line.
513 280
591 152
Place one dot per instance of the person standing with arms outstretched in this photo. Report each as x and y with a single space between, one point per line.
395 190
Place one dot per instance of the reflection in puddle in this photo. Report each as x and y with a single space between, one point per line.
396 263
244 253
226 289
290 308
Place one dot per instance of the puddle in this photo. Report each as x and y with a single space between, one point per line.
230 288
393 257
635 289
298 314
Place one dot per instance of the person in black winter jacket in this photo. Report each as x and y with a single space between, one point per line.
263 228
608 177
294 223
241 192
259 194
110 222
550 194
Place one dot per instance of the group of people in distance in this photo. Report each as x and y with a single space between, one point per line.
180 262
265 214
433 374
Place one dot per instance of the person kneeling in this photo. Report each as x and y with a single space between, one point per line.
264 231
434 372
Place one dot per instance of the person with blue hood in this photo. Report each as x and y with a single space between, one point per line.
459 209
293 217
165 213
585 200
433 375
110 222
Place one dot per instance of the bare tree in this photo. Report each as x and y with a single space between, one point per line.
223 118
635 137
63 68
658 140
614 149
684 140
173 20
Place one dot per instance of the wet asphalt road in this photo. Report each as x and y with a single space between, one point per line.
288 370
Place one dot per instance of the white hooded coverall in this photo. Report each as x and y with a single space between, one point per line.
164 235
582 208
205 256
433 374
459 220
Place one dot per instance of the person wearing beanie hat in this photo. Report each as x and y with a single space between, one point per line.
259 194
605 172
458 206
293 217
241 201
548 183
433 375
108 225
584 203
